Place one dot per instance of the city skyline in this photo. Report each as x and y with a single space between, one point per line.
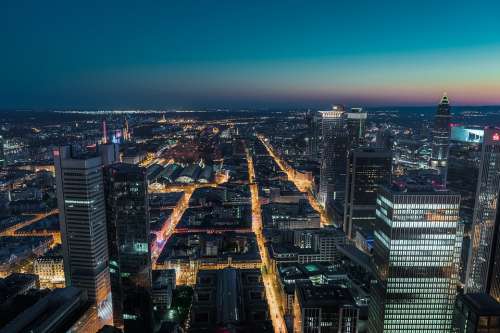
227 54
267 166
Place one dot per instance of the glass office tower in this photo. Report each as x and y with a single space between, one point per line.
368 169
3 158
334 158
484 224
127 213
416 254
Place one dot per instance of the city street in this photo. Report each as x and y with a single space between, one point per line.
40 216
271 294
302 184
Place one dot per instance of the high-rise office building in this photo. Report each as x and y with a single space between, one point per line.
485 226
462 176
82 214
3 158
334 158
493 279
127 214
416 253
367 169
441 136
314 135
356 125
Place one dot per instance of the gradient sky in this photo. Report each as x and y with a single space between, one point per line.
236 53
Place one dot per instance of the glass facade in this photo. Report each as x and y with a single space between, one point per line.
3 159
127 212
334 158
481 265
416 254
368 169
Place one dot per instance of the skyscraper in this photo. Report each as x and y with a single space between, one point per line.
356 125
416 253
462 176
484 222
493 279
441 136
314 134
334 159
127 214
3 159
82 214
367 170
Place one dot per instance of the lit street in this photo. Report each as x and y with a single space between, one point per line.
271 294
40 216
302 183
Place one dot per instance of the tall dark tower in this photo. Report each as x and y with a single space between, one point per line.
3 159
484 266
441 137
127 213
367 170
334 157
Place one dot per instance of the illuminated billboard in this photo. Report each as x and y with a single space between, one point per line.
467 134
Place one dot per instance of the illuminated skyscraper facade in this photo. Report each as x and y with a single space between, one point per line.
416 254
334 158
82 214
441 136
481 265
127 213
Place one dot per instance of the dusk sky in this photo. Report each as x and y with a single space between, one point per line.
196 53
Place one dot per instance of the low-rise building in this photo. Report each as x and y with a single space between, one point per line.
50 271
230 299
324 308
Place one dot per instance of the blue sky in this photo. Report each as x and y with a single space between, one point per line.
64 54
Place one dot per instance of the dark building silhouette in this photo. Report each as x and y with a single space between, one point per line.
483 260
3 158
367 170
127 213
314 135
334 158
441 137
493 279
462 177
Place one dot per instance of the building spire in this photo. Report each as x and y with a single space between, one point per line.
444 99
